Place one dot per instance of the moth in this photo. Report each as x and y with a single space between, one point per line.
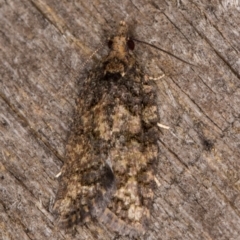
112 150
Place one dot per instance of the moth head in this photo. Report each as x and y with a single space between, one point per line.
120 58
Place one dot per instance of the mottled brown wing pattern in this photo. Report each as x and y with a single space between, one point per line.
112 149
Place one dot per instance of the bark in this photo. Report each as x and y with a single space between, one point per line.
45 50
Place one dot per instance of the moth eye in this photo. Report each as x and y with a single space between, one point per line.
130 44
110 43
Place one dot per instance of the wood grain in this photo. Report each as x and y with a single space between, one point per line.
45 47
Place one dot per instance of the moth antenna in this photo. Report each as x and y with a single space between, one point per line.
90 57
151 45
83 65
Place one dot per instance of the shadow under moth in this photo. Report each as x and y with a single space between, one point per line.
112 150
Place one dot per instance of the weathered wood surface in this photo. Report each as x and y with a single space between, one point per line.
43 45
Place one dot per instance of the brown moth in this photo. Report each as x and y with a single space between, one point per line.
112 149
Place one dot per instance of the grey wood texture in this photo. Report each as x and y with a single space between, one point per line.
45 49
